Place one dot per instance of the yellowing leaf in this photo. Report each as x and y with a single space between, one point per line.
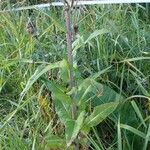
45 110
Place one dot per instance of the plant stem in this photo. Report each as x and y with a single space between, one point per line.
69 38
69 44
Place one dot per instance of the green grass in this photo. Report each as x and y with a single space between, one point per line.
112 40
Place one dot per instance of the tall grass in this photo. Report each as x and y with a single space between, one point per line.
122 55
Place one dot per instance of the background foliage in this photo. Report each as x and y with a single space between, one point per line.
111 65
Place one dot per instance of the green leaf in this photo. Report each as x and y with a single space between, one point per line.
57 91
147 138
95 34
98 74
107 95
135 59
62 101
38 73
100 113
64 72
79 42
141 87
133 130
63 110
88 88
73 128
138 112
96 92
54 141
119 134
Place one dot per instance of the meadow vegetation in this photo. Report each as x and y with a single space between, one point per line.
111 52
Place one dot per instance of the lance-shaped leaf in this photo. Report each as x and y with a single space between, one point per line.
63 110
38 73
62 101
99 114
57 91
64 72
55 142
95 34
87 89
73 128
